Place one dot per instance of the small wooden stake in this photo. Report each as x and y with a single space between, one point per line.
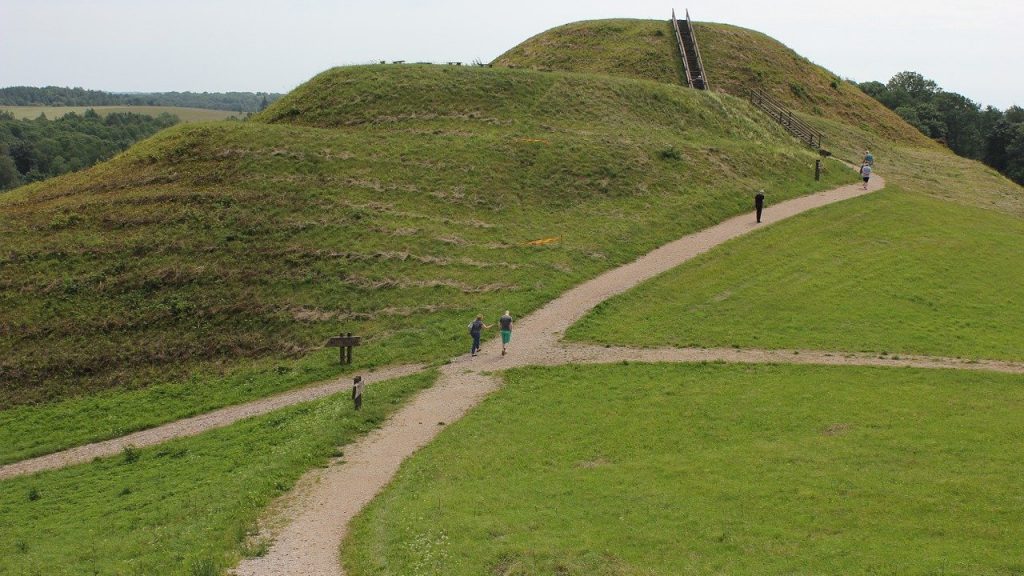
357 392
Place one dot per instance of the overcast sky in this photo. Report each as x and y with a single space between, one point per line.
251 45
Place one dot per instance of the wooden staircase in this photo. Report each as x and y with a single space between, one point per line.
785 117
693 66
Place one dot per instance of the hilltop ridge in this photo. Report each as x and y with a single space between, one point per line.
736 60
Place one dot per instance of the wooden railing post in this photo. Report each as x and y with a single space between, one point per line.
696 49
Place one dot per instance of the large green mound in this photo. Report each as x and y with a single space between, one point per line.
736 60
388 201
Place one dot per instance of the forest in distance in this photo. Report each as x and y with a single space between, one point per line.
990 135
39 148
59 96
32 150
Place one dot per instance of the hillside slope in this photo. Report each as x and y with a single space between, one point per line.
737 60
389 201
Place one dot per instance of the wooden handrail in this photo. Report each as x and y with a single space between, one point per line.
784 116
682 49
696 49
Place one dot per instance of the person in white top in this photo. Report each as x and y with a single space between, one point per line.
865 174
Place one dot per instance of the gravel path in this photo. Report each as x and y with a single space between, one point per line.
589 354
308 528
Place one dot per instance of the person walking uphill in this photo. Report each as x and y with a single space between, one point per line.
475 328
865 174
505 325
759 204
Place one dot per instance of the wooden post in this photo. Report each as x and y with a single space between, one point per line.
344 344
357 392
817 170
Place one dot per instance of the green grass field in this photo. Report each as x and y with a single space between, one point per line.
183 114
712 469
186 507
891 273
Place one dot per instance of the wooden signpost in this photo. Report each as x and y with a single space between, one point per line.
344 344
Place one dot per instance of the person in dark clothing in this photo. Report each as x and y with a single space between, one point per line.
505 325
475 328
759 204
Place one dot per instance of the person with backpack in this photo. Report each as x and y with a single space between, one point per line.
505 325
865 174
475 328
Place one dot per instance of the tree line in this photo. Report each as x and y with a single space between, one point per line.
32 150
988 134
59 96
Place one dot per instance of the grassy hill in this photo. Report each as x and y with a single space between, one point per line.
627 48
206 266
909 273
735 59
388 201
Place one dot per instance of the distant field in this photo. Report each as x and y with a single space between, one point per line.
184 114
712 469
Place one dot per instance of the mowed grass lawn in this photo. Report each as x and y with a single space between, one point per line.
713 469
183 114
185 507
893 273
